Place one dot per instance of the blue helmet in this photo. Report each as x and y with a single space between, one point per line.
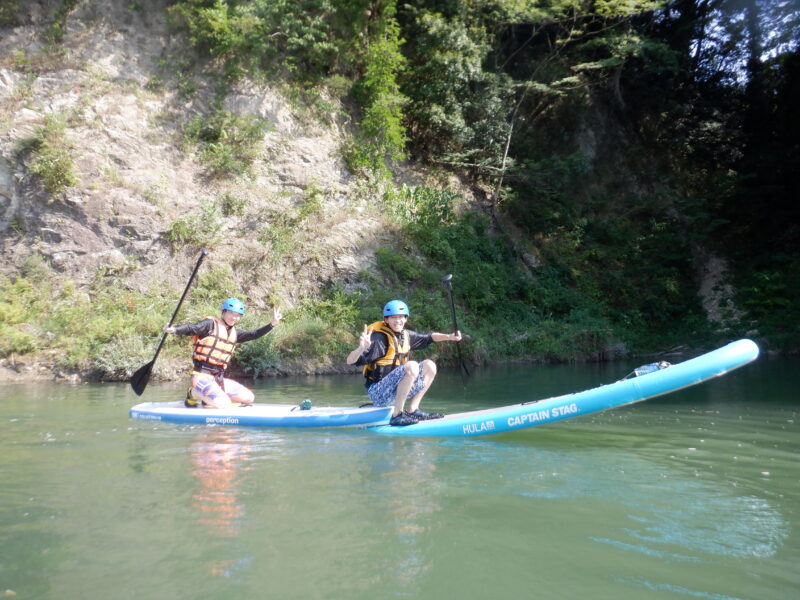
234 304
395 307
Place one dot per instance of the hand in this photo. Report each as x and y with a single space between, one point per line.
455 337
169 329
276 316
365 340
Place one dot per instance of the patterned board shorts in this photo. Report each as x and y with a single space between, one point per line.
204 387
383 392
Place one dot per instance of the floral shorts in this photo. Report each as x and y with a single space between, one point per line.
383 392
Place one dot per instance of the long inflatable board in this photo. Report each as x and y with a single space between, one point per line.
474 423
263 415
624 392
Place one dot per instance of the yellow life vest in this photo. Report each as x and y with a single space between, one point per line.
398 350
217 347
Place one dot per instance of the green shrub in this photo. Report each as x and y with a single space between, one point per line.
121 356
232 205
458 108
378 92
54 34
9 13
214 283
767 293
311 206
312 41
416 206
38 314
278 236
260 356
317 331
397 265
52 155
307 39
16 340
305 340
228 144
202 230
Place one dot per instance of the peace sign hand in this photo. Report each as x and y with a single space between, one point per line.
366 338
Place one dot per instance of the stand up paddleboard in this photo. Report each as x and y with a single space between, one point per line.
622 393
480 422
263 415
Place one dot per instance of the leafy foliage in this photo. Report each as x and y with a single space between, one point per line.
312 41
228 143
9 13
382 134
54 34
457 109
77 326
203 230
307 39
52 156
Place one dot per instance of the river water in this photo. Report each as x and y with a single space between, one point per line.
692 495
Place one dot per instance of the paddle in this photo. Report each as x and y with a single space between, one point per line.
448 284
142 375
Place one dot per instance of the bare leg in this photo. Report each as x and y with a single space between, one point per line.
428 374
404 387
238 393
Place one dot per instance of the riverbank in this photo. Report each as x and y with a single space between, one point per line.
30 368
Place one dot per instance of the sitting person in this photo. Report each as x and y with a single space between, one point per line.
383 350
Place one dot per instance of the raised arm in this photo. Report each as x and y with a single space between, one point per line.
364 342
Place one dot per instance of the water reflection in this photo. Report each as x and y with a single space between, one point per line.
411 484
217 461
217 455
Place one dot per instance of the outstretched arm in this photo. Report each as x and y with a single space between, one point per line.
201 328
446 337
254 334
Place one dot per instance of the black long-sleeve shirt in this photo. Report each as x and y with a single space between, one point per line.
206 327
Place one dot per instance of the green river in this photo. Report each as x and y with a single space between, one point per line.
692 495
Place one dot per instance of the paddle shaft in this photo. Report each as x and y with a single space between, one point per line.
449 286
142 376
452 306
203 253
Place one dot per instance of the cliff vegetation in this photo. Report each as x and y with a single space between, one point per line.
601 178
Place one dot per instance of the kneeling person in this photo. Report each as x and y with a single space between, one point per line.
391 378
215 340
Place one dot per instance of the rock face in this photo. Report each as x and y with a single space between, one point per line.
715 292
113 81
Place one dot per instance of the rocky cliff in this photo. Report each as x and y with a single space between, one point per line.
111 79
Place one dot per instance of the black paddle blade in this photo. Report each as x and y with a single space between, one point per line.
141 377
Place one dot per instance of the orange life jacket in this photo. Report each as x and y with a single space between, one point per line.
398 351
217 347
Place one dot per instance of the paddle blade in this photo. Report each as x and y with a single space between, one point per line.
141 377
